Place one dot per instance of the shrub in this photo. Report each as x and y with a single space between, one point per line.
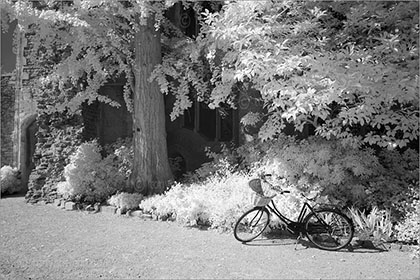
397 185
89 177
376 226
65 189
10 180
351 177
313 163
408 230
123 155
338 174
221 164
216 202
126 201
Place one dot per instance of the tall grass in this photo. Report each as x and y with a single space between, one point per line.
376 225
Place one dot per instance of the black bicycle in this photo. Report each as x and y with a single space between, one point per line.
325 226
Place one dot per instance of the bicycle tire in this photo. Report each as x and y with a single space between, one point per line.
329 229
251 224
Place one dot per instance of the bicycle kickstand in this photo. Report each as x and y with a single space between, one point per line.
297 240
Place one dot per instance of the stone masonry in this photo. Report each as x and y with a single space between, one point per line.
7 115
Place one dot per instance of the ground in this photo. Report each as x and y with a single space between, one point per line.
45 242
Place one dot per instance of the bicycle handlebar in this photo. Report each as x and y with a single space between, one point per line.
280 190
308 198
277 188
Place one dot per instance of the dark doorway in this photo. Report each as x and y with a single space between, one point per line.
28 143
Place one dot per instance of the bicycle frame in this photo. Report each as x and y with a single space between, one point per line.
294 226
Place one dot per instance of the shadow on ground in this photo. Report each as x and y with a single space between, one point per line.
283 238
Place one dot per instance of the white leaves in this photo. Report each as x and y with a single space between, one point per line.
317 12
86 43
220 94
251 118
58 16
282 46
271 128
182 101
183 76
343 86
127 92
158 74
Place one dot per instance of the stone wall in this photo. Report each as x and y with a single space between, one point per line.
58 137
7 117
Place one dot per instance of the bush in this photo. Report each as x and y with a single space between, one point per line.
339 175
89 178
123 155
313 164
350 177
65 189
376 226
10 180
396 187
216 202
126 201
408 231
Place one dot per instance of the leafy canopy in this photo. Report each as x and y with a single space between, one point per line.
349 69
81 45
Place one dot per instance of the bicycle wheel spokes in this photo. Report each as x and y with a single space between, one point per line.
251 224
329 229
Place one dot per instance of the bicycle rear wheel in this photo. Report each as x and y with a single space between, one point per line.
251 224
329 229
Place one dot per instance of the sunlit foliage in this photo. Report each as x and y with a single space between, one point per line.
349 69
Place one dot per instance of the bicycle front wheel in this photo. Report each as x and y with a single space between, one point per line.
251 224
329 229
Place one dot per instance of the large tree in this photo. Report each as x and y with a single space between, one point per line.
348 69
81 45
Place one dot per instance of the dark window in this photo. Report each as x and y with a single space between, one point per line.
226 126
207 122
215 125
189 117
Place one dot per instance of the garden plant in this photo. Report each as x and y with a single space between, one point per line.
9 180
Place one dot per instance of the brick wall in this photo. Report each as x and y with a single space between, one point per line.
7 117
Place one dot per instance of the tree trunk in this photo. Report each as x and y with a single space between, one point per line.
151 171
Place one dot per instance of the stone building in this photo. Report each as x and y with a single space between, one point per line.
18 111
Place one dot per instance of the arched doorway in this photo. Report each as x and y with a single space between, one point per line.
27 148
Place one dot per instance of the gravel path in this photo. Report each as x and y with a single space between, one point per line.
45 242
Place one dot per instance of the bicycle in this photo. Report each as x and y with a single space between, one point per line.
325 227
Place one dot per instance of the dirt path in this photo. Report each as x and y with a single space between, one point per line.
45 242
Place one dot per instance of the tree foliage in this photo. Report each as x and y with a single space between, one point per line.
81 45
349 69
